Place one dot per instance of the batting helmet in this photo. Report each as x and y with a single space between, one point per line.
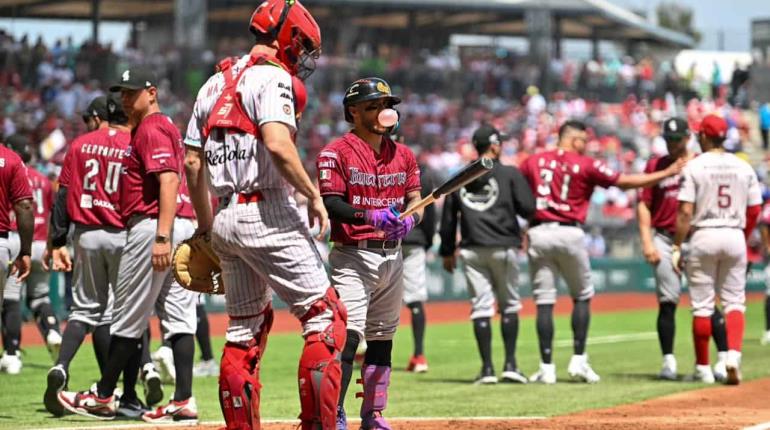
367 89
295 30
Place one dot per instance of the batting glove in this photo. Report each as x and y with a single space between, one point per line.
381 219
400 231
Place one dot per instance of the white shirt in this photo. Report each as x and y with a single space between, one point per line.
721 186
240 163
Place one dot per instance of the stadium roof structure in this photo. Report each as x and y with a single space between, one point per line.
573 19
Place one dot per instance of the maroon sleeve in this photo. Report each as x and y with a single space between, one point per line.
412 172
646 194
331 172
157 149
599 174
20 186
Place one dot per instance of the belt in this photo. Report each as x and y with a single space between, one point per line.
253 197
665 233
538 222
375 244
3 235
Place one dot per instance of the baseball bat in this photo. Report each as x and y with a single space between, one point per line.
468 174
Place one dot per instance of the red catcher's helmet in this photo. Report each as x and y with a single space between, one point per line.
295 30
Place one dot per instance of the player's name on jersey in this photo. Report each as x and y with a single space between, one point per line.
105 151
226 153
357 177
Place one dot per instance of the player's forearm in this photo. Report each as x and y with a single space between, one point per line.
286 159
645 224
197 184
683 219
413 198
641 180
25 222
169 187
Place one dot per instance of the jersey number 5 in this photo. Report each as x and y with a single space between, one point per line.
723 196
110 182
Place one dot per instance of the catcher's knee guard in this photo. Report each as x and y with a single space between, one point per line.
239 386
319 367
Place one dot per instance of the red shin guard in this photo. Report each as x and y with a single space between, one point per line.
735 323
701 333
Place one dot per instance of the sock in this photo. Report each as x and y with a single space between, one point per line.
11 326
45 318
482 329
509 326
545 332
767 313
666 327
145 357
718 330
418 326
121 351
184 355
346 363
203 333
73 336
581 318
101 340
378 352
701 332
736 323
131 371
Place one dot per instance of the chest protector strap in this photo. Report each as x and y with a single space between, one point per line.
228 113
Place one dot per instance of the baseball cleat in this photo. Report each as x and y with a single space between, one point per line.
702 374
486 377
765 339
733 368
130 408
342 419
206 368
186 411
417 364
720 368
668 369
153 389
545 375
163 359
511 374
375 421
11 363
89 404
56 382
53 343
579 369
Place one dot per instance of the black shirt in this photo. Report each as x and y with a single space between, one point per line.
488 208
422 235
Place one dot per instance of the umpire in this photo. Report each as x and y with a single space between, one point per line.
488 208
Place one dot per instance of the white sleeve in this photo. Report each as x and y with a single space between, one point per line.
271 100
687 186
755 193
193 134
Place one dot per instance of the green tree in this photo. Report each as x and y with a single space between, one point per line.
678 18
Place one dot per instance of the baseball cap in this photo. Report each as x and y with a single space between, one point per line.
713 126
97 107
135 78
115 112
675 128
485 136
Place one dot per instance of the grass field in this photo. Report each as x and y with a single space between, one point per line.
623 350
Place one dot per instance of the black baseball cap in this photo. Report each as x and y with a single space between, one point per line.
675 128
19 144
97 107
135 78
485 136
115 112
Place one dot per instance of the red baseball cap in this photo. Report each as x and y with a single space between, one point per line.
713 126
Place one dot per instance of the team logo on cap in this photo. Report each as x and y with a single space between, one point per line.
126 75
383 88
672 125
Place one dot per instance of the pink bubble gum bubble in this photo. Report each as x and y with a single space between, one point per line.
387 117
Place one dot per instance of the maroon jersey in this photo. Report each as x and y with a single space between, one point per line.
350 168
14 185
156 146
662 199
562 182
42 193
91 173
184 207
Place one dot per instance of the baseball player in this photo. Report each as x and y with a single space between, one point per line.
16 196
488 209
414 248
242 135
719 200
148 205
366 179
657 209
562 181
36 287
764 230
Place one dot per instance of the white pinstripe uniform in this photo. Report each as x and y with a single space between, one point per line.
721 186
263 245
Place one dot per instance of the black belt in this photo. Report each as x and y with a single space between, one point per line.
3 235
375 244
665 233
538 222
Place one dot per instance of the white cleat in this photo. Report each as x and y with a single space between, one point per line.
733 367
580 370
545 375
163 359
53 342
11 363
720 368
513 376
702 374
765 339
668 369
206 368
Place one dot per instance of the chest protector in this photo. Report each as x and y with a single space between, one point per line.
228 114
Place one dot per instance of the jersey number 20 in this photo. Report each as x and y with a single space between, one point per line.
110 182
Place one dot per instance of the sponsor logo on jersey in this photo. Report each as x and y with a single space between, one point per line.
381 202
327 164
227 153
357 177
2 162
86 201
328 154
287 109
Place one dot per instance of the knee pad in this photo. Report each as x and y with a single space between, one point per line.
319 367
239 386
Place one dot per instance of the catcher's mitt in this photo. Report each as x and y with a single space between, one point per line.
196 266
